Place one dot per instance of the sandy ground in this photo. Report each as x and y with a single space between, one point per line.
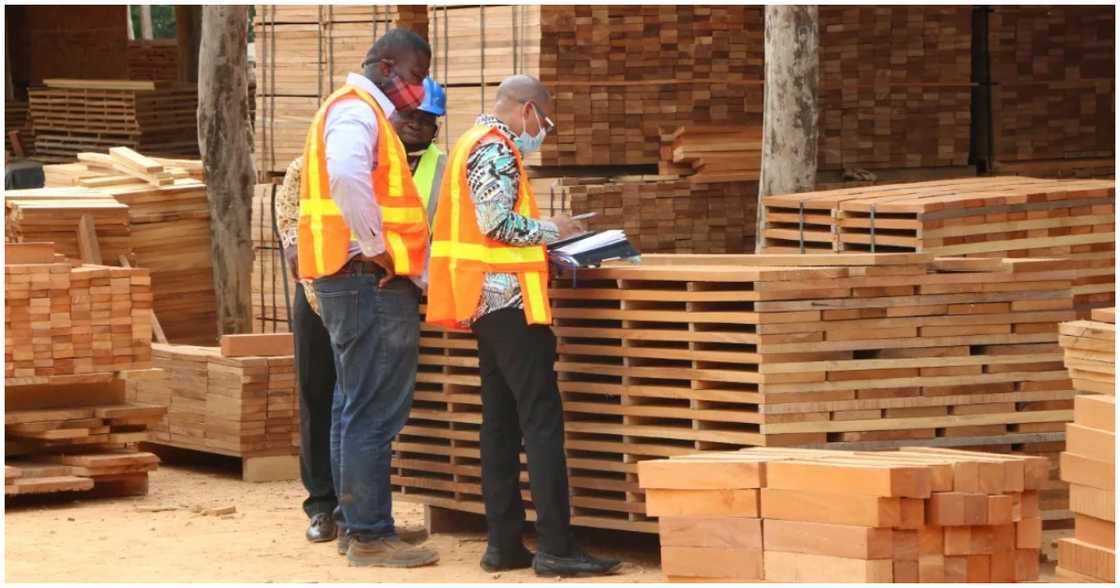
161 538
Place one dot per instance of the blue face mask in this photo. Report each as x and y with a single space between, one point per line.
527 143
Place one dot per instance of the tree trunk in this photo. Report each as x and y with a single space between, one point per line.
789 111
128 19
226 143
188 25
146 21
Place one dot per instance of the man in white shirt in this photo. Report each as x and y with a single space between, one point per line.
372 318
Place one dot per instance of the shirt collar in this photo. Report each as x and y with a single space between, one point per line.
362 83
495 122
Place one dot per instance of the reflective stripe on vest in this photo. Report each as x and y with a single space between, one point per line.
324 237
428 177
462 255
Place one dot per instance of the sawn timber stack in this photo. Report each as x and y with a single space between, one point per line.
694 352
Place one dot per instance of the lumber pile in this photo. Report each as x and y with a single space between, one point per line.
303 53
74 116
1053 98
154 211
61 320
698 352
617 87
895 86
971 217
16 119
270 299
670 215
153 59
780 515
715 153
238 399
1089 461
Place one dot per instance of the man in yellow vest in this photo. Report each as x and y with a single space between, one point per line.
361 225
489 271
418 130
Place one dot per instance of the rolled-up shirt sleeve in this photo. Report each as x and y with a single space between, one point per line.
351 141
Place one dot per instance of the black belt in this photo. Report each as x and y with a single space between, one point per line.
361 267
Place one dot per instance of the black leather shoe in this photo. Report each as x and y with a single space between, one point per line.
576 564
496 561
322 529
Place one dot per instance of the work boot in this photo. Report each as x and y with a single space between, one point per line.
576 564
321 529
494 560
410 536
388 552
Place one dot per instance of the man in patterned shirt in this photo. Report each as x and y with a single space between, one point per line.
520 396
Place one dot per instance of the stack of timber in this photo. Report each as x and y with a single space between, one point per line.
974 217
699 352
781 515
154 59
1089 461
62 321
165 229
16 119
238 399
303 53
670 214
1053 94
269 291
617 86
720 153
74 116
895 86
72 335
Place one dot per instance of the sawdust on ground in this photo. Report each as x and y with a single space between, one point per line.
166 537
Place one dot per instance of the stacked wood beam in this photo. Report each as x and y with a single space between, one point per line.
1089 461
730 152
153 59
780 515
304 52
895 86
688 352
75 116
72 334
270 299
670 215
973 217
165 228
65 321
238 399
616 86
1053 98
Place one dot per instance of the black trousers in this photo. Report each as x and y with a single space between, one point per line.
520 399
315 370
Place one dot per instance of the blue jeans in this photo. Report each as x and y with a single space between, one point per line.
374 333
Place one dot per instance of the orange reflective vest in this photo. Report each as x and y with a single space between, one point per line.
324 237
462 255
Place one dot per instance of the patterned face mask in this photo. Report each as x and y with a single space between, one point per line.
404 95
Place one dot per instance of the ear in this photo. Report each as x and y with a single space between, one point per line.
385 67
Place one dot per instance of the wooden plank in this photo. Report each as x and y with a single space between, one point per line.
801 567
257 345
794 505
667 503
849 541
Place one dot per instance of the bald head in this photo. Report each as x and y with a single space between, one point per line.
524 104
522 89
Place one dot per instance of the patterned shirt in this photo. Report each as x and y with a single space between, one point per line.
287 220
493 178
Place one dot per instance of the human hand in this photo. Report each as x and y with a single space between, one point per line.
567 226
385 261
291 258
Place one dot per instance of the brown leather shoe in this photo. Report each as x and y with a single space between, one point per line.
412 536
389 552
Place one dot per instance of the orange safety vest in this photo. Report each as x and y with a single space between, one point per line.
462 255
324 237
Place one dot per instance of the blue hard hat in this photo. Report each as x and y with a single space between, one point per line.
435 98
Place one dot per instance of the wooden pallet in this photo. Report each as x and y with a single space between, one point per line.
972 217
782 515
241 403
1088 463
689 352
